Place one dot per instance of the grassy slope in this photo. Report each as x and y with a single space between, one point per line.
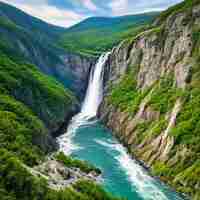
98 34
185 5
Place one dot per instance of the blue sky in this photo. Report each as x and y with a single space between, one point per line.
68 12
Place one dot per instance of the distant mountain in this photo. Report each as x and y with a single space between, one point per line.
29 23
97 34
22 32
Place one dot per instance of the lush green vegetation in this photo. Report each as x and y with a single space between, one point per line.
183 6
82 165
18 128
25 95
29 102
96 35
39 92
125 95
164 95
17 183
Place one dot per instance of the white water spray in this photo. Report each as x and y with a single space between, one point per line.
90 106
95 89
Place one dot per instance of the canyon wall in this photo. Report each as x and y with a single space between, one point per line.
151 99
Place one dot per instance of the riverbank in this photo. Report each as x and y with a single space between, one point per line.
62 172
148 168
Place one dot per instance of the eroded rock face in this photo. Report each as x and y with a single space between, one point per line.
152 55
79 67
157 52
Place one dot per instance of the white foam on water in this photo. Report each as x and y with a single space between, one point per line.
145 185
94 92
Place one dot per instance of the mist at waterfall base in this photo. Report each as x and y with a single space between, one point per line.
87 139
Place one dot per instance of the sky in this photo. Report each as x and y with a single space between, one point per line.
69 12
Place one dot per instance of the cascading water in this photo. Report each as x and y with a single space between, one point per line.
90 106
88 140
95 89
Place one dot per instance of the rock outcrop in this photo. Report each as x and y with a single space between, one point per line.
161 63
59 176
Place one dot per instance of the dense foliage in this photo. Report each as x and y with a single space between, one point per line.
17 183
27 107
186 5
164 95
125 94
25 83
75 163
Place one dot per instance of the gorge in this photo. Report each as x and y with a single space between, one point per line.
87 139
132 113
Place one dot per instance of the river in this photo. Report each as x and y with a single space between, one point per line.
88 139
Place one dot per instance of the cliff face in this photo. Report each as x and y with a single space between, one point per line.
80 67
151 94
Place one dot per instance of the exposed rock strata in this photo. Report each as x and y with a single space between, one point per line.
154 54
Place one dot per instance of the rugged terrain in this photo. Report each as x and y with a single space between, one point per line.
152 96
33 108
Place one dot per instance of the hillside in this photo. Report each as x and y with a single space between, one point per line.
34 25
152 93
29 39
99 34
33 106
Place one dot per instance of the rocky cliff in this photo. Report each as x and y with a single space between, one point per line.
152 96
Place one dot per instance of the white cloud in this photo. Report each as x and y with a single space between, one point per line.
118 7
50 14
89 5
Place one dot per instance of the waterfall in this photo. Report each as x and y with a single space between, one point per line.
90 106
83 137
94 92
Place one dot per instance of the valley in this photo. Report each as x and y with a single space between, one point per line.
106 109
